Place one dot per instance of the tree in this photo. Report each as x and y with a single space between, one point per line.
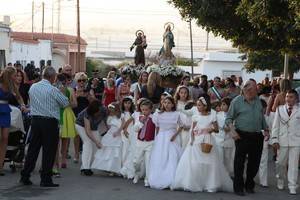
252 25
269 60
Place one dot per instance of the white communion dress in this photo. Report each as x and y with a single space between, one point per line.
165 154
198 171
109 157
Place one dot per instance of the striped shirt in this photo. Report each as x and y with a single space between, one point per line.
46 100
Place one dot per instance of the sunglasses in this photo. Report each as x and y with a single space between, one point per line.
81 80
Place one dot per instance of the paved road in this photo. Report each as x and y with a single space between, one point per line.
100 186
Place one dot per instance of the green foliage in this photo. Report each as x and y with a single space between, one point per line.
93 64
184 62
122 64
263 29
269 60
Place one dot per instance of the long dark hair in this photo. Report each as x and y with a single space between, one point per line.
93 107
170 98
127 99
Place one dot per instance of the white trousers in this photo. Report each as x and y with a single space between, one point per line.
229 159
263 167
288 156
226 155
142 154
88 147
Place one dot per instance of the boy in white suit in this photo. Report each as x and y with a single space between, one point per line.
286 139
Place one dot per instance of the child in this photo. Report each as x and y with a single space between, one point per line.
263 167
109 157
181 97
198 171
286 139
146 133
128 138
224 140
166 149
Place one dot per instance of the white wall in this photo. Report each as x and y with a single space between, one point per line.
58 61
216 68
26 52
4 42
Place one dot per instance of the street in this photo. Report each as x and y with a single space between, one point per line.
73 186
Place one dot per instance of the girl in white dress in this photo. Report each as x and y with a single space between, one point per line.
109 157
166 150
128 138
198 171
182 96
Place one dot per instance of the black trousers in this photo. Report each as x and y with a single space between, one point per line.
45 134
251 145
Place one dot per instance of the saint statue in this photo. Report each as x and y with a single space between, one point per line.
140 43
165 53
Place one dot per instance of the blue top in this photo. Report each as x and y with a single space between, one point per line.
4 96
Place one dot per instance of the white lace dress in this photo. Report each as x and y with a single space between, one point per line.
109 157
128 169
198 171
165 154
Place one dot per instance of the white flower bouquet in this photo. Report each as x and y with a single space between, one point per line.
166 70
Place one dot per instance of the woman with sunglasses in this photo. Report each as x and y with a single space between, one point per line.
82 97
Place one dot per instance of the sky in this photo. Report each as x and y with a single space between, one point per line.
110 24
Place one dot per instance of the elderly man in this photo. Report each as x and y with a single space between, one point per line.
67 69
246 120
45 103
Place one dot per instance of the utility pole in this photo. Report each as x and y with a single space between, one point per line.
32 18
43 16
207 38
52 26
192 51
78 36
58 16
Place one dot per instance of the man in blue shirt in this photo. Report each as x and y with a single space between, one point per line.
45 103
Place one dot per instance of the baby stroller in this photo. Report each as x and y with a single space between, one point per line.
15 151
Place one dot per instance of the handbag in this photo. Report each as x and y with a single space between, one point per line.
206 147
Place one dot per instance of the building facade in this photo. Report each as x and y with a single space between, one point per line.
4 42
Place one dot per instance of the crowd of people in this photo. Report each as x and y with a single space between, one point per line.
195 137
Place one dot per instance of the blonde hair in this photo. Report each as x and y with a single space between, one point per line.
8 84
154 79
80 75
285 85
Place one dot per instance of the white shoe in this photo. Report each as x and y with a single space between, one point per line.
136 179
293 191
280 184
146 184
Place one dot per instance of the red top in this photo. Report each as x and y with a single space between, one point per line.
110 95
150 131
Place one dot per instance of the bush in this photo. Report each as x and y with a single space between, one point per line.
184 62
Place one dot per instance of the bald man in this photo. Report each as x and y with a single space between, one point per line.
246 119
